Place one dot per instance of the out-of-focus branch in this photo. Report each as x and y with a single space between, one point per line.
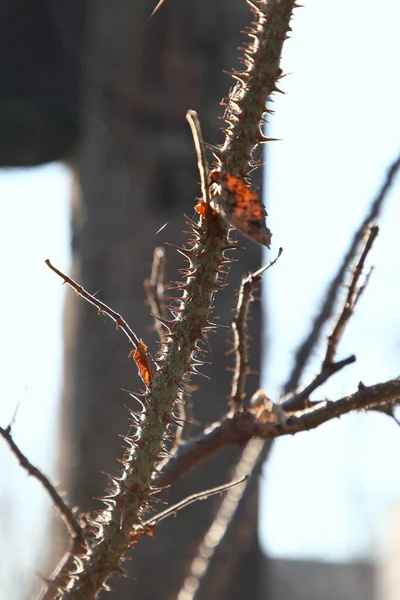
329 366
305 349
251 456
353 295
239 428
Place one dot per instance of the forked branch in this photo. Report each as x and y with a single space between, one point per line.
239 428
329 365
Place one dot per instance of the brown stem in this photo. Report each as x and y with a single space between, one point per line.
238 429
103 308
300 399
240 337
154 288
352 297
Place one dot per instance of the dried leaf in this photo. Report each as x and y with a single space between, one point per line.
141 358
241 207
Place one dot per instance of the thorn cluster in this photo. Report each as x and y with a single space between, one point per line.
246 104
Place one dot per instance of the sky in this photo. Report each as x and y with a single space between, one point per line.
34 225
339 129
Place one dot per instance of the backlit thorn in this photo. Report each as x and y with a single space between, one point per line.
161 228
160 3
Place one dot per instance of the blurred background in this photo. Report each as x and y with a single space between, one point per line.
95 158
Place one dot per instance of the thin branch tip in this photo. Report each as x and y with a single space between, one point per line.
202 164
102 308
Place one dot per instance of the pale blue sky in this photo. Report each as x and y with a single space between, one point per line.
34 225
339 127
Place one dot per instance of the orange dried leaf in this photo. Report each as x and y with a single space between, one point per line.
143 363
201 208
241 207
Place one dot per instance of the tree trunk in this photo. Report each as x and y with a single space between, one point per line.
137 171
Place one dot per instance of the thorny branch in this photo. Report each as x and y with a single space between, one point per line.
132 492
84 572
257 423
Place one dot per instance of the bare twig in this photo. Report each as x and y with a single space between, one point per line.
102 308
172 510
238 429
154 288
306 348
329 367
300 399
192 119
62 507
240 337
240 340
353 294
